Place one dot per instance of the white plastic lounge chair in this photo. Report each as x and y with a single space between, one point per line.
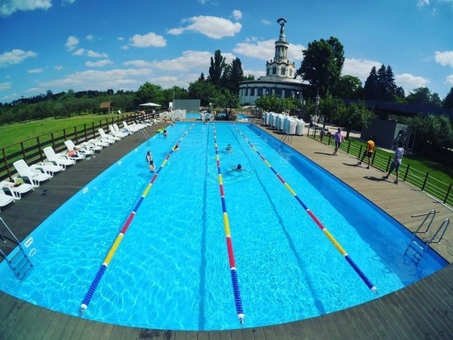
107 136
80 151
132 127
126 132
17 188
117 133
47 168
33 177
92 145
58 159
5 199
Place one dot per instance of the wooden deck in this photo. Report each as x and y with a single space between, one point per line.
423 310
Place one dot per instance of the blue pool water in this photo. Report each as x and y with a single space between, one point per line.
171 270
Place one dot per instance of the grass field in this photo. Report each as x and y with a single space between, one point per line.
19 132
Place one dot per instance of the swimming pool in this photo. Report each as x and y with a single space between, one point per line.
171 270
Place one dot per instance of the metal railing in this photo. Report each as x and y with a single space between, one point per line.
437 189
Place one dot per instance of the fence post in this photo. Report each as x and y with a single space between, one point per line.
360 152
424 182
349 146
448 193
85 131
373 157
40 149
75 134
407 172
23 150
388 165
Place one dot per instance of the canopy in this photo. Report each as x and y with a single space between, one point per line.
149 104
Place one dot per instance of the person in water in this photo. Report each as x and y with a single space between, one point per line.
238 168
176 147
165 133
152 168
229 148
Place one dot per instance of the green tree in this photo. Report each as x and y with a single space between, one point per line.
349 87
322 65
354 116
447 103
216 68
370 90
386 87
202 90
273 103
420 96
433 131
149 93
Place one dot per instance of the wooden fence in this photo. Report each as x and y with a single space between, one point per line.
31 150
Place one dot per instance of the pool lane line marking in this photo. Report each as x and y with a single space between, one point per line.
229 242
86 301
316 220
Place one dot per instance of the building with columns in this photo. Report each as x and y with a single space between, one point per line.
279 79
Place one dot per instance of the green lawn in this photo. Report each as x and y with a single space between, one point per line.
19 132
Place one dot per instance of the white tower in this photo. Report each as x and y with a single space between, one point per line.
280 67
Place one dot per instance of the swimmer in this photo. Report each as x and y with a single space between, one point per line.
165 133
149 156
229 148
176 147
238 168
152 168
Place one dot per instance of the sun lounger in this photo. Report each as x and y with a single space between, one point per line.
5 199
47 167
78 152
58 159
108 136
116 133
33 177
17 188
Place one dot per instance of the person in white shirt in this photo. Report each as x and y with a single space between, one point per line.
399 152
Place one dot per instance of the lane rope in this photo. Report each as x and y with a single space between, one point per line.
229 242
364 278
86 301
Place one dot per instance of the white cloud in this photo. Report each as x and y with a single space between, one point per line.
90 53
15 57
410 82
422 3
137 63
147 40
36 70
67 2
265 50
90 37
5 86
121 38
444 58
100 63
266 22
359 68
237 14
449 80
212 27
58 67
257 74
189 60
102 80
8 7
202 1
72 43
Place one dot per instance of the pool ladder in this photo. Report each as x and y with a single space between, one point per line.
19 263
418 245
143 135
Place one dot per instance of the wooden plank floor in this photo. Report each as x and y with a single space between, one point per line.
423 310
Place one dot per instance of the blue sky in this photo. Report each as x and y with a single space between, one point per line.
59 45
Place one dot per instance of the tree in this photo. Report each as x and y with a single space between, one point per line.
236 75
354 117
349 87
216 68
433 131
202 90
271 102
423 96
447 103
149 92
322 65
370 90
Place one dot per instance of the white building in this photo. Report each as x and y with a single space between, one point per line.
279 79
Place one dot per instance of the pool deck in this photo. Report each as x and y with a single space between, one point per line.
423 310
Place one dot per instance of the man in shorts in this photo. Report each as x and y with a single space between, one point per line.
399 152
368 152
